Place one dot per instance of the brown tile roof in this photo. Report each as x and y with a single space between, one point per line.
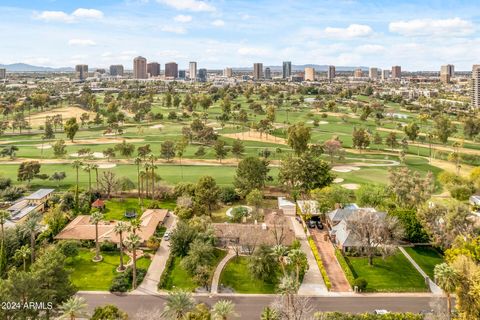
98 203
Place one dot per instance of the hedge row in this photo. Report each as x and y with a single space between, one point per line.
166 272
346 269
319 263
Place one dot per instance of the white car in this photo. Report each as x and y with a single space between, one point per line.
166 236
381 311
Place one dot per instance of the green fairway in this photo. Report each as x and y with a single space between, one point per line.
426 257
236 275
393 274
91 276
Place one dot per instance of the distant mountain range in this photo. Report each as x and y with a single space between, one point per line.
23 67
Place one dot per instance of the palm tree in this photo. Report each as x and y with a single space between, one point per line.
177 305
269 314
132 243
94 166
119 229
95 218
22 254
31 227
4 216
152 159
223 309
297 258
147 170
135 224
288 287
77 164
447 279
73 308
279 252
88 168
138 161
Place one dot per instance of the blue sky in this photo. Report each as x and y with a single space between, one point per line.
416 34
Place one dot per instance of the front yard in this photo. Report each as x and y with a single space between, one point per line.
393 274
426 257
115 208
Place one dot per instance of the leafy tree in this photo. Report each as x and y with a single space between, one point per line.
443 128
59 148
207 193
413 230
333 148
58 176
252 173
237 148
125 149
48 131
167 150
471 127
391 140
221 150
360 139
298 137
262 264
9 151
109 183
71 127
255 198
181 238
200 253
330 196
412 130
108 312
372 195
409 187
28 170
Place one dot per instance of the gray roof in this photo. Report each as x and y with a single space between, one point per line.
39 194
340 214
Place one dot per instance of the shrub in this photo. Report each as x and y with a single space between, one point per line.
108 246
69 248
238 213
228 195
166 273
153 243
123 281
461 192
346 269
319 263
360 283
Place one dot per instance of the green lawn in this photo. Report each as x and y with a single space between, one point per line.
426 257
237 276
115 208
179 278
394 274
89 276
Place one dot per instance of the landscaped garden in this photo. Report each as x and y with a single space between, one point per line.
392 274
115 208
426 257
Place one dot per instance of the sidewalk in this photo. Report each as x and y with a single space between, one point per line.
150 282
219 269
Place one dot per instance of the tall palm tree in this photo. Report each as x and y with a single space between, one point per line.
287 287
133 243
4 216
31 227
88 168
280 251
22 254
447 279
77 164
297 258
223 309
72 308
152 159
119 229
269 314
94 166
135 224
138 162
146 166
177 305
95 218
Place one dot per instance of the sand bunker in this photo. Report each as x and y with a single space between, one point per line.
345 169
106 165
110 134
338 180
101 141
45 146
97 155
255 136
157 126
319 122
351 186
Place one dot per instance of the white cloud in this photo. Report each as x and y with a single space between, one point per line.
174 29
58 16
218 23
81 42
183 18
88 13
352 31
370 48
429 27
191 5
250 51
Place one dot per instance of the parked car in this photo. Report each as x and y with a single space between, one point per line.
311 224
319 225
381 311
166 236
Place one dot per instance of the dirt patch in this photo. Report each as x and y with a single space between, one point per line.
255 136
338 180
450 167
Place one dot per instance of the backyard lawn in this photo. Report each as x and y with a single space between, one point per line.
236 275
88 275
115 208
393 274
426 257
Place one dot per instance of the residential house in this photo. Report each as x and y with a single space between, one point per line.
35 202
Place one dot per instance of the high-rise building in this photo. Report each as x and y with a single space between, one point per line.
81 71
287 69
116 70
140 68
373 73
100 70
268 73
3 73
171 70
202 75
396 72
447 72
331 73
385 74
228 72
358 73
153 69
257 71
182 74
476 86
192 68
309 74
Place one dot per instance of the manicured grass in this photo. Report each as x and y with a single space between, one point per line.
426 257
115 208
394 274
88 275
237 276
179 278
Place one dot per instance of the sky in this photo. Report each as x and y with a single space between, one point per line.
416 34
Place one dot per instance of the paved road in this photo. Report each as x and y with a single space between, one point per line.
250 307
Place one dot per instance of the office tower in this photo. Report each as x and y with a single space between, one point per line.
140 68
171 70
476 86
116 70
358 73
257 71
153 69
396 72
101 71
287 69
182 74
373 73
268 73
331 73
3 73
202 75
309 74
192 67
228 72
81 71
447 72
385 74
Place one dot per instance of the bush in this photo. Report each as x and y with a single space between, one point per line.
166 272
108 246
360 283
319 263
238 213
228 195
69 248
153 243
461 192
123 281
108 312
346 269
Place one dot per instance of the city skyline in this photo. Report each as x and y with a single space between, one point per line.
219 35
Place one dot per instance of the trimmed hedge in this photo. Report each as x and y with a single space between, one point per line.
166 272
319 263
346 269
